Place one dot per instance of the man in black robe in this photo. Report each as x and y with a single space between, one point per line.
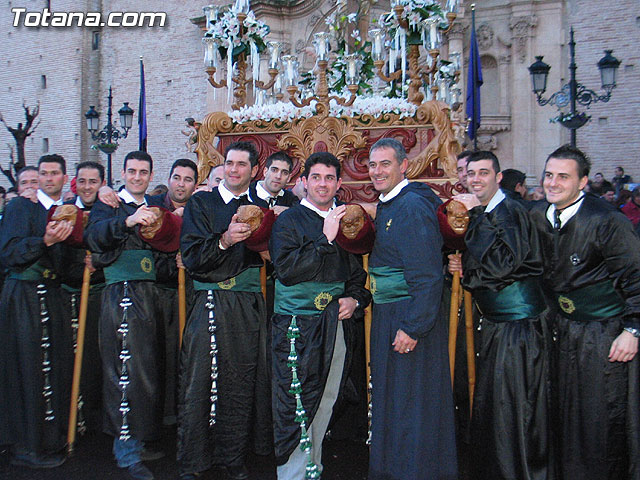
129 325
502 266
592 274
36 357
182 183
223 394
89 178
271 192
412 426
319 287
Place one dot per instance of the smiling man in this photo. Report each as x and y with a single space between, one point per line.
130 321
319 289
502 267
224 388
592 272
37 356
412 427
89 179
182 183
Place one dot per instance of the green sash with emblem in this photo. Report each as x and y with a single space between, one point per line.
388 285
521 299
130 266
306 298
591 303
34 273
247 281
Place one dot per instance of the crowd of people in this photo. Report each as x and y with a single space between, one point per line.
261 361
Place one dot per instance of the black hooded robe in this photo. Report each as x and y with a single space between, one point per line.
301 253
510 426
23 377
107 235
597 401
242 406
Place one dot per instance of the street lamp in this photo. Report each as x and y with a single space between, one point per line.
108 137
573 91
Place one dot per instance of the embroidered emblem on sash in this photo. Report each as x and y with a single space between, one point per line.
566 304
372 285
48 274
322 300
228 284
146 265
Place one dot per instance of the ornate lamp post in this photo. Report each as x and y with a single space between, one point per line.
107 138
573 92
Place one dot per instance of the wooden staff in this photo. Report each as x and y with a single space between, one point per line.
263 279
453 321
182 304
77 365
471 359
367 330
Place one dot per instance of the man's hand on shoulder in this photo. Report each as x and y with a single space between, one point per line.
278 209
108 196
30 194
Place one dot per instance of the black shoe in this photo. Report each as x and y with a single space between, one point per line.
149 455
138 471
33 460
237 472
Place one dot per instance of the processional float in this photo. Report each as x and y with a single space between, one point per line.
395 84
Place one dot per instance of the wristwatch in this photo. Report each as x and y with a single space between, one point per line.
633 331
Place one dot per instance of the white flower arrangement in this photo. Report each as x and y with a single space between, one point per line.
286 111
225 31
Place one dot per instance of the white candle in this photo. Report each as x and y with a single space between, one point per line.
352 69
321 44
433 34
377 43
290 70
274 53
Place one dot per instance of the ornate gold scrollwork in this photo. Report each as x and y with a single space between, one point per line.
443 146
208 157
334 135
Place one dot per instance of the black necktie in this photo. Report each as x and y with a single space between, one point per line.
557 224
272 201
243 199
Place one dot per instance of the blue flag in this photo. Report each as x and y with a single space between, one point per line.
474 82
142 113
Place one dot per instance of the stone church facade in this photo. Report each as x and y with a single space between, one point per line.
68 69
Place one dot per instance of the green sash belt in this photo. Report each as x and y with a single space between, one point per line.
521 299
388 285
306 298
131 265
591 303
34 273
247 281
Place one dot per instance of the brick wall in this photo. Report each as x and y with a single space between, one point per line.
612 137
79 76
